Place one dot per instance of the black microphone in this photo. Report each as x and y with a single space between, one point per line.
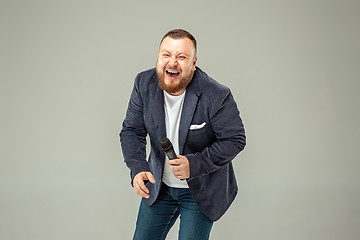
168 148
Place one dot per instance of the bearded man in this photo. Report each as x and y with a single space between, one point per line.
179 101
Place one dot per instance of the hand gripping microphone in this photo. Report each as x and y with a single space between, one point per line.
168 148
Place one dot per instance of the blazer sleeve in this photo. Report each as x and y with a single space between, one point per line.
229 137
133 133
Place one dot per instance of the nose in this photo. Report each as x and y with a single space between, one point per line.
172 62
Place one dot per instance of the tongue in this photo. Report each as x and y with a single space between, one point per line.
172 74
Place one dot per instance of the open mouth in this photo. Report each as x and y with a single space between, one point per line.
172 74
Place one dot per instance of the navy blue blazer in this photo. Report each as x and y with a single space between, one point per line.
211 134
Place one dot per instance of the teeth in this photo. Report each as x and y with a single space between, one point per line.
172 71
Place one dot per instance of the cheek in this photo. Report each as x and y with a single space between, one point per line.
161 63
187 68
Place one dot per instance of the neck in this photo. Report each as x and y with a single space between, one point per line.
177 93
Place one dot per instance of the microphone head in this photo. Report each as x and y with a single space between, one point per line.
165 144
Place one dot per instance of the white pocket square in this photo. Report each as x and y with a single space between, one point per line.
197 126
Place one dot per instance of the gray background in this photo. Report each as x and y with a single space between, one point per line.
67 69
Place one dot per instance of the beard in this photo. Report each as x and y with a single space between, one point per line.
173 87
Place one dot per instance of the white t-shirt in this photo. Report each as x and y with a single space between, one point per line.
173 108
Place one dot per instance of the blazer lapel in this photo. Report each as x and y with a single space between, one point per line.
190 102
187 114
157 109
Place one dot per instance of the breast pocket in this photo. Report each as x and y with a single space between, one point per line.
200 135
197 126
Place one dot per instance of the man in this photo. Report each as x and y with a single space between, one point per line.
179 101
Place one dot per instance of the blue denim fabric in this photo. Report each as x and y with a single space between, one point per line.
155 221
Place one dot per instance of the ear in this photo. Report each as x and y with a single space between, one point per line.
195 60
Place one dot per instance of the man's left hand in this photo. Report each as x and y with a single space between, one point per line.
180 167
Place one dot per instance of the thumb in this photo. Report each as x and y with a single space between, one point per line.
150 177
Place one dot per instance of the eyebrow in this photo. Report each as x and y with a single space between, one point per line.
181 53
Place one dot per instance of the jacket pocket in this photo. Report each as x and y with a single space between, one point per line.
197 126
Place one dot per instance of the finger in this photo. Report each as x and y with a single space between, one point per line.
173 162
150 177
142 194
140 184
179 176
139 190
143 187
174 168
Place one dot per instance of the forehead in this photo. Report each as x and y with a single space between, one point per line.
184 45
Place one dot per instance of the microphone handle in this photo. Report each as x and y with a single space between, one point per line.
171 154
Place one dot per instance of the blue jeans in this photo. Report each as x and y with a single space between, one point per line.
154 222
